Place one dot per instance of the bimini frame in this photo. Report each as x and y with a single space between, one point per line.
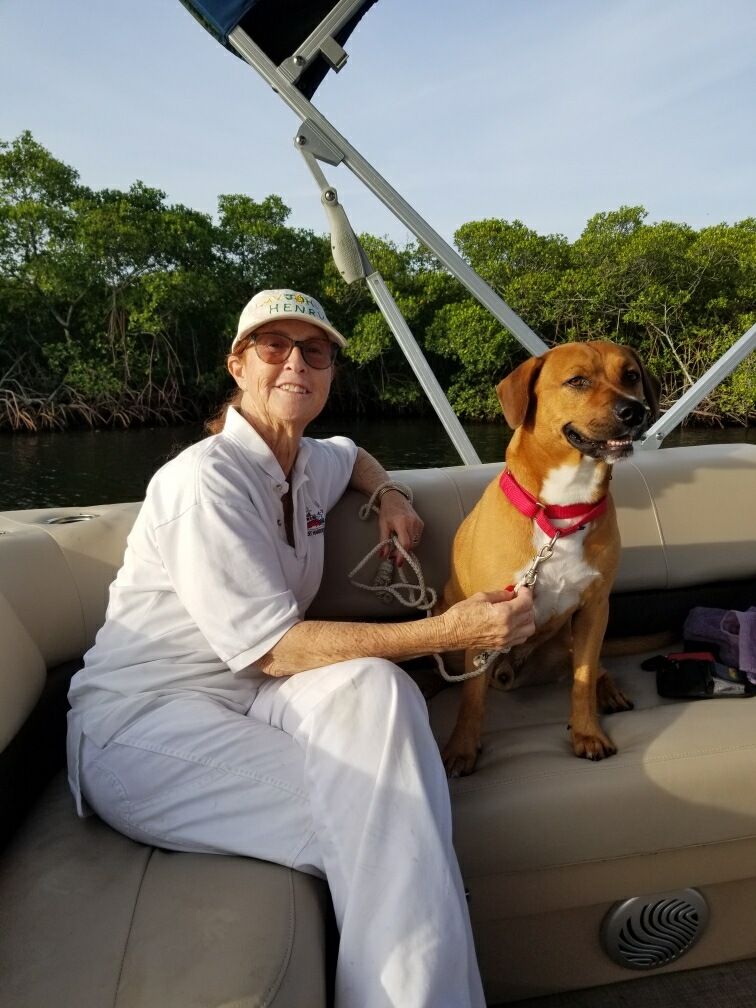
318 141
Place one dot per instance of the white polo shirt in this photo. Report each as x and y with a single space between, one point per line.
209 583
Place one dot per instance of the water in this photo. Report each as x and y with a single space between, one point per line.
83 467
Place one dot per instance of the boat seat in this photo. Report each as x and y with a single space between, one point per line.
92 919
547 843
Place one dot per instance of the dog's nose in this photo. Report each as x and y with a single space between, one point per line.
629 411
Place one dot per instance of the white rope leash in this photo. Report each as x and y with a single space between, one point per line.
419 596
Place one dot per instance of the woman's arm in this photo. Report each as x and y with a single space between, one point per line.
485 621
396 515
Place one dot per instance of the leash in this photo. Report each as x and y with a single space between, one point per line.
413 596
541 514
421 596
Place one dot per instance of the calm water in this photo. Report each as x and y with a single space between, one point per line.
78 468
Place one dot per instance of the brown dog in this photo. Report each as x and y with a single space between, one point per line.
575 411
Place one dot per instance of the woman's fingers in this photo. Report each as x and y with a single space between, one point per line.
398 518
495 619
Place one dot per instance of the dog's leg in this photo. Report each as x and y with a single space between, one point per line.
461 751
588 627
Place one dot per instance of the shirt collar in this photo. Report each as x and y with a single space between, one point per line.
245 435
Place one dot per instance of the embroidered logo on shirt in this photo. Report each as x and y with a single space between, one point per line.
315 522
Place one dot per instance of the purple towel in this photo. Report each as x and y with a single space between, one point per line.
732 631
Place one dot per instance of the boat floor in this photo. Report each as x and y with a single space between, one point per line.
726 985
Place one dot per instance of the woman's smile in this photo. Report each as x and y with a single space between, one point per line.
295 389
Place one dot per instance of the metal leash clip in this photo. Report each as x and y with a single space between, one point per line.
530 576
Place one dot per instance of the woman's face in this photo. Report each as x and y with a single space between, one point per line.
288 395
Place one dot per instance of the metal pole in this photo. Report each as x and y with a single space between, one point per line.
252 54
353 264
418 363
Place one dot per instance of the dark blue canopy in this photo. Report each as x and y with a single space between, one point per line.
278 27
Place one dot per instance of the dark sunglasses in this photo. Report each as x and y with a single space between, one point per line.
275 348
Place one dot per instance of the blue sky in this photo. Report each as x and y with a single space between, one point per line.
545 111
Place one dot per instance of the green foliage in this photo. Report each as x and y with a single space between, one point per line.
117 307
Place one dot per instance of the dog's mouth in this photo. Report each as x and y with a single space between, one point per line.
610 450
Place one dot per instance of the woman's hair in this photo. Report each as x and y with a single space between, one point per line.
214 424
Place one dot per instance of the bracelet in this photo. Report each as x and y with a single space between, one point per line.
375 498
399 487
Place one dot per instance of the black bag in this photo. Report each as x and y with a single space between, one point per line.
697 676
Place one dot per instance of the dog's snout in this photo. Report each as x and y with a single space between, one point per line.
629 411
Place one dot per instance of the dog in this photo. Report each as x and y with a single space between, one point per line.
575 411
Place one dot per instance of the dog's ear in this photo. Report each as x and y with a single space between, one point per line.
515 390
651 387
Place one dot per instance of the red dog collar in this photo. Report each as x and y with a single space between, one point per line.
527 504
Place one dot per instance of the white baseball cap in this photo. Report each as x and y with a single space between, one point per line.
269 305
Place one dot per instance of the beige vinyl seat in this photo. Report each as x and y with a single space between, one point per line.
547 843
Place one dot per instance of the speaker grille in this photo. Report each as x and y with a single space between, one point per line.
647 932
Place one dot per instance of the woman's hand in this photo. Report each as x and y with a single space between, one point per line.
491 620
398 517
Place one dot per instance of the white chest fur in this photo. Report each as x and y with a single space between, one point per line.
563 577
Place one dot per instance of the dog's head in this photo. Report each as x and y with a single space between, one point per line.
597 397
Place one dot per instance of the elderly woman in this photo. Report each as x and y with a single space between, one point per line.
211 715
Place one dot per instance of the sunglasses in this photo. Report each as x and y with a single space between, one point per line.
275 348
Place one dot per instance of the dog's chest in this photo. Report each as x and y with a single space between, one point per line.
564 576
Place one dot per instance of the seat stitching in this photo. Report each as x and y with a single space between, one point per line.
636 855
270 994
464 788
131 926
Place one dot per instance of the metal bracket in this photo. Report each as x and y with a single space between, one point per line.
321 41
310 140
353 264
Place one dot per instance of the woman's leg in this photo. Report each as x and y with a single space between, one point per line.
379 803
361 797
193 775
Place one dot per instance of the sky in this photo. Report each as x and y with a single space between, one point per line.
544 111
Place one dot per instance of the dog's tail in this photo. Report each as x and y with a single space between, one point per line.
616 646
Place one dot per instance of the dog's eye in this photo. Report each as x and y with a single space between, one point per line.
631 377
579 381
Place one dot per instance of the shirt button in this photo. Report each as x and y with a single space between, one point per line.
278 521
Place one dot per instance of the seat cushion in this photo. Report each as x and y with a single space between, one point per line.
547 842
91 919
679 789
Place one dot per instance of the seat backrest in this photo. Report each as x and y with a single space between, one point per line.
685 516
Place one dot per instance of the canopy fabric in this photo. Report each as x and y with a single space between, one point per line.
278 27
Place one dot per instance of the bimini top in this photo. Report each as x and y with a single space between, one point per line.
281 27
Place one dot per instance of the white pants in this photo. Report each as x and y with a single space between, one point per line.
334 772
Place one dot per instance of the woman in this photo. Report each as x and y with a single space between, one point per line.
211 716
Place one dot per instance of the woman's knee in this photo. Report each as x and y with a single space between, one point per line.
385 676
389 694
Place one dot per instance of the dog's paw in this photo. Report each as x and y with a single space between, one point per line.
609 696
459 758
592 745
